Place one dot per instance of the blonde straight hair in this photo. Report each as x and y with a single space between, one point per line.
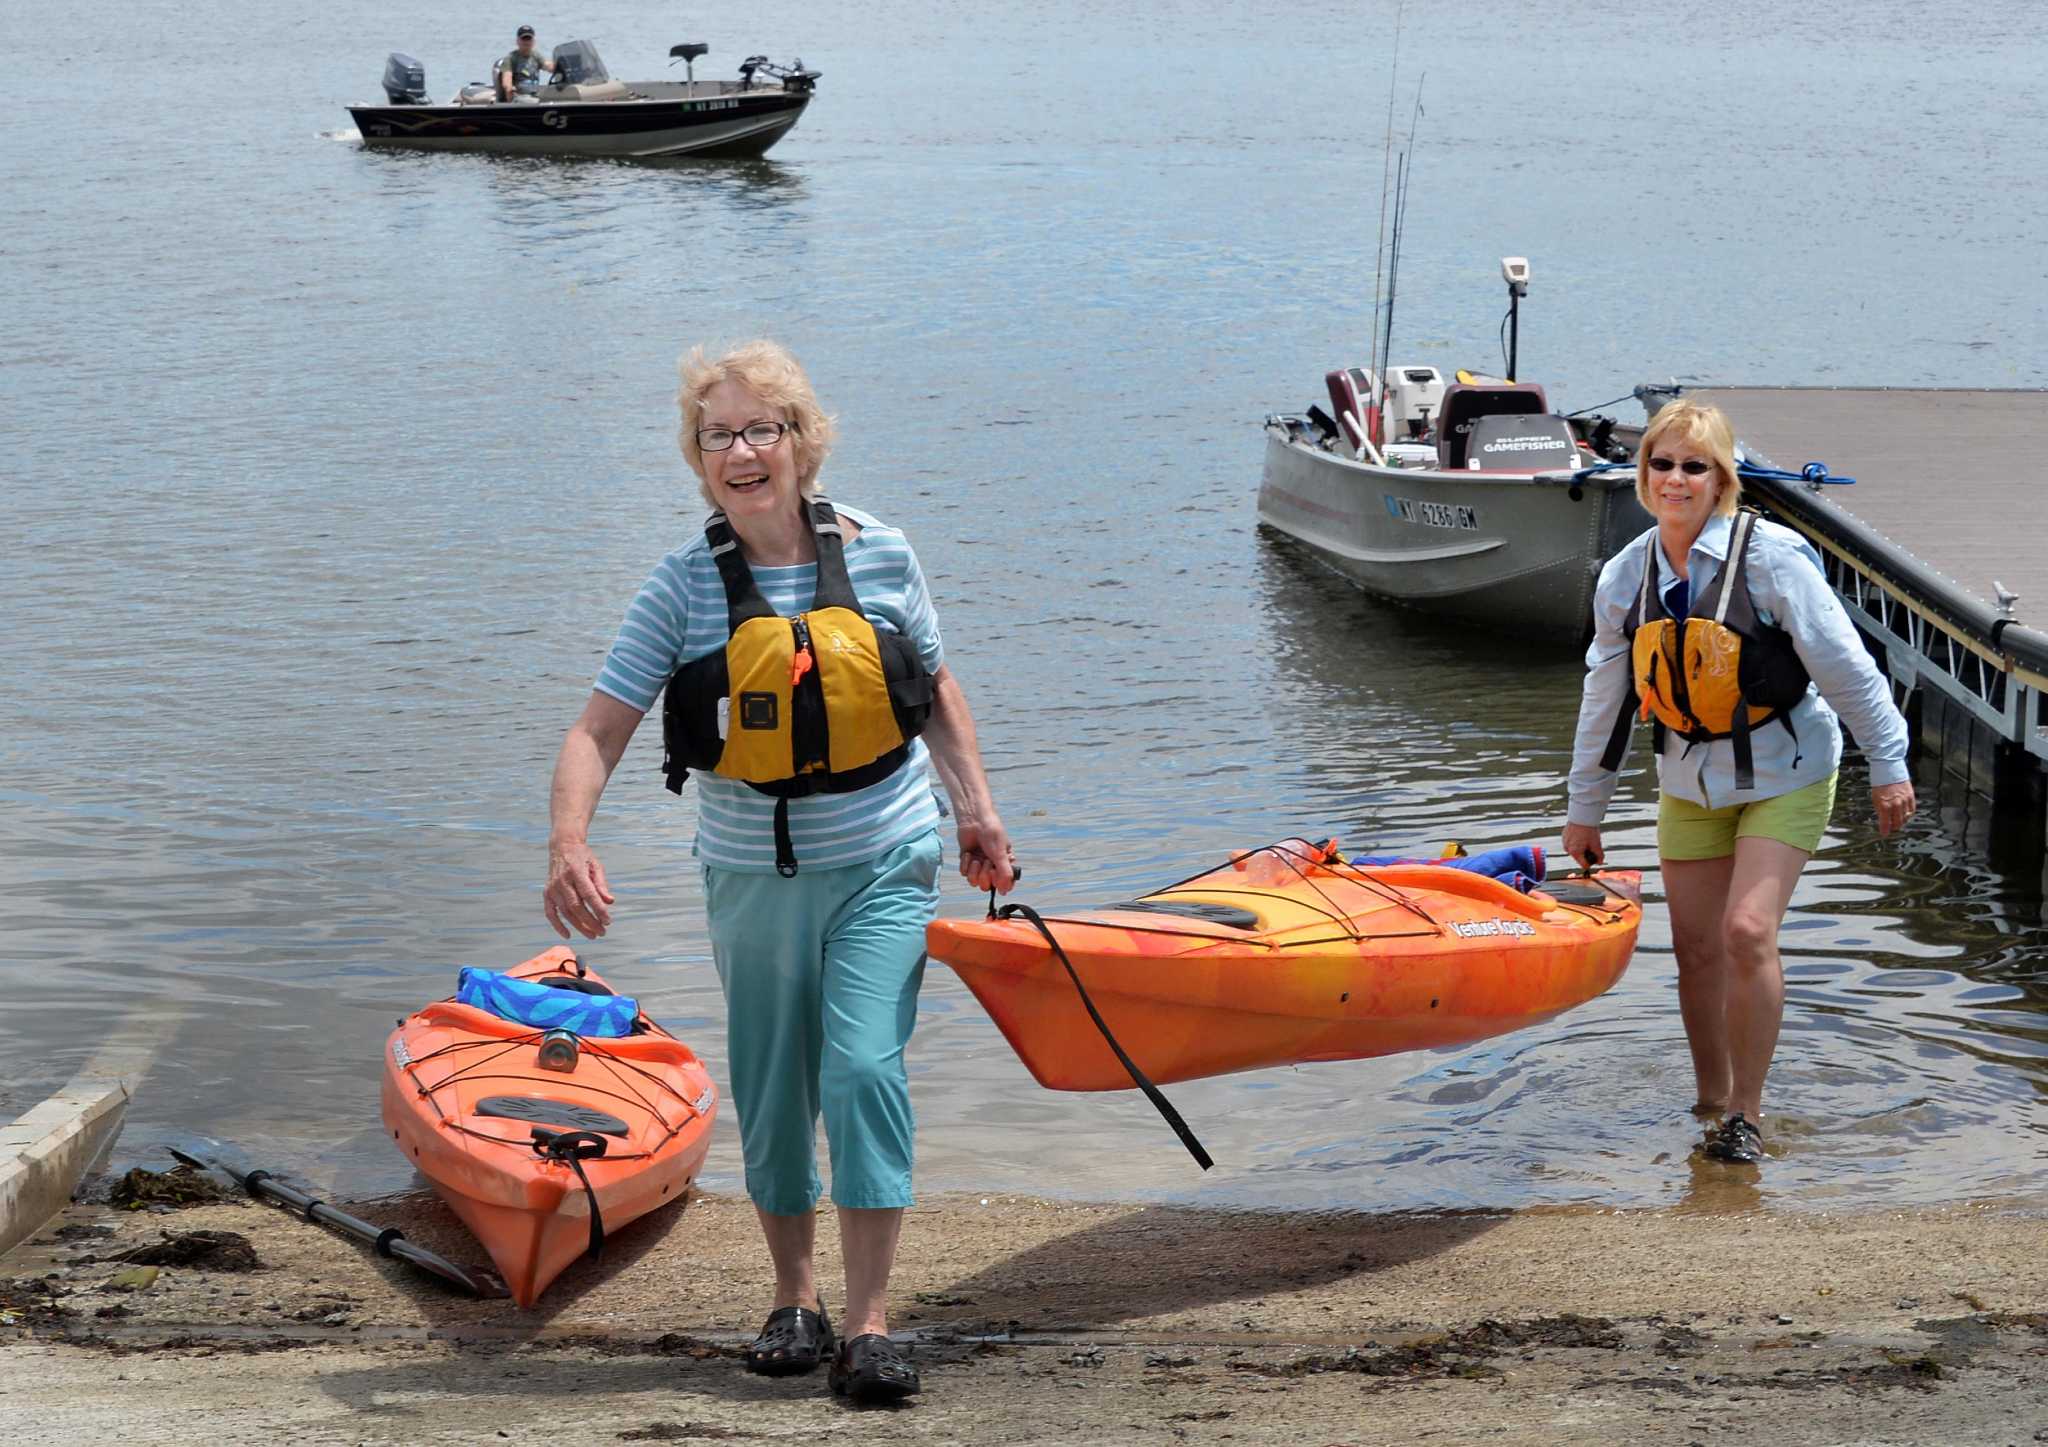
770 372
1705 427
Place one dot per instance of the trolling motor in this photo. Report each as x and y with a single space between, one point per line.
793 77
1514 271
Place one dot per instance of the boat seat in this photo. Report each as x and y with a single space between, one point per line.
599 90
1350 396
1465 404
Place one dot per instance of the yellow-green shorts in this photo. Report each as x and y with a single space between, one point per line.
1800 818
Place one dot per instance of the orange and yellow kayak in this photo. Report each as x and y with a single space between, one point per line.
1287 954
541 1163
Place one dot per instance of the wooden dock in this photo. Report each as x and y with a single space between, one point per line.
1938 551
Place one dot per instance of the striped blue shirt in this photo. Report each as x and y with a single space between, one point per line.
680 615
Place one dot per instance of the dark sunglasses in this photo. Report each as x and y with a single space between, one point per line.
1691 467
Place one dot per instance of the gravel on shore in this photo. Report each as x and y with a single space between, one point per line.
1042 1321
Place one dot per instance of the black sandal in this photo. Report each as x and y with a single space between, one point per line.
793 1340
1738 1141
871 1369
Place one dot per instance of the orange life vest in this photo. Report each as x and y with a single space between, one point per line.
822 703
1718 673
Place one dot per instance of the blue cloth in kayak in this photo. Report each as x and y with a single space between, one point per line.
1519 866
545 1008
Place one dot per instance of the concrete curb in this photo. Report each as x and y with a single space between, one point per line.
47 1152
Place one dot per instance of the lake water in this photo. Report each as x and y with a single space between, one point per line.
330 472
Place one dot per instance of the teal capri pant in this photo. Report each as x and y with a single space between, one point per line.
821 973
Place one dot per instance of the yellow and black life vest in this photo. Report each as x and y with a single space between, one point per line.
1718 673
822 703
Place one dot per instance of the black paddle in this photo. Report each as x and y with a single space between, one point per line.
389 1241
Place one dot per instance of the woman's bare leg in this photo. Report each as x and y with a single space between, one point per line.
867 1239
1758 891
1696 893
791 1241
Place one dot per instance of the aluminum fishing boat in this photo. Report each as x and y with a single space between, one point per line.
1466 498
582 111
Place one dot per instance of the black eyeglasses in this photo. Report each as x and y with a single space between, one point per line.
1691 467
758 435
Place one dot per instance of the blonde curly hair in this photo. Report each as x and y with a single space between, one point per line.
1705 427
770 372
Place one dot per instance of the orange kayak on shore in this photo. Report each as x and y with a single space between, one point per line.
1287 954
540 1163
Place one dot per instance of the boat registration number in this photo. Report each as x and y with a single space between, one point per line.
1432 514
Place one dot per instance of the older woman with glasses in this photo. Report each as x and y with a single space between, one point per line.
1720 628
807 687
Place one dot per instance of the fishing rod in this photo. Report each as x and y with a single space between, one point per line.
1380 240
1400 231
389 1240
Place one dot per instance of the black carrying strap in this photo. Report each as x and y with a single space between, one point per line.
1745 759
1152 1092
785 847
574 1147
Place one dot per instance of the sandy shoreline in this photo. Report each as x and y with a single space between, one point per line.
1044 1321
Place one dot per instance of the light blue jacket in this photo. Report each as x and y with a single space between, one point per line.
1790 592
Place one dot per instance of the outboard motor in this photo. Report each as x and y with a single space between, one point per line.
1521 442
405 80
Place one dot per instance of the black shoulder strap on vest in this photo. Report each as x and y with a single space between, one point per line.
743 599
1729 592
1639 613
835 587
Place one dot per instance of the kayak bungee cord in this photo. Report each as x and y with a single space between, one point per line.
1325 858
590 1049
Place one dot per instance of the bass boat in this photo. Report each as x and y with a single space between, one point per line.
582 111
1288 954
540 1138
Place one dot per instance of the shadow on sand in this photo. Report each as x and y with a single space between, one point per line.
1158 1263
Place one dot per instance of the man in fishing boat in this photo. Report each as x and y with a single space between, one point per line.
1720 627
518 73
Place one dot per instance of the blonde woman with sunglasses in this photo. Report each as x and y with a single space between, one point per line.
1720 628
